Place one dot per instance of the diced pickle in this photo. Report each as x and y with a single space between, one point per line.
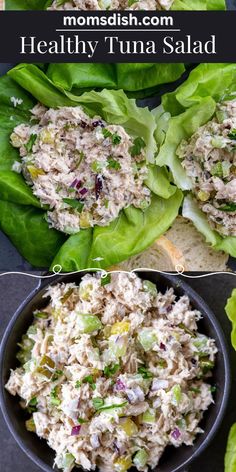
84 220
46 367
176 395
122 464
129 427
30 425
120 327
203 196
46 137
206 365
35 172
85 291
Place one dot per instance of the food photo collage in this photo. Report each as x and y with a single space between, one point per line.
118 256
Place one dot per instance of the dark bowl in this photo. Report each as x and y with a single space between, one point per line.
173 459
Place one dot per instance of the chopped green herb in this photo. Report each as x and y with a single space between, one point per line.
78 384
116 139
89 379
195 390
54 399
146 374
81 421
106 133
74 203
109 371
98 403
58 373
232 134
106 280
32 405
206 365
228 207
31 142
213 388
113 164
138 145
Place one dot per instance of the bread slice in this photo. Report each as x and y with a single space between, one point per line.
182 248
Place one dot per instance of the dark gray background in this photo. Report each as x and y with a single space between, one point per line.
214 289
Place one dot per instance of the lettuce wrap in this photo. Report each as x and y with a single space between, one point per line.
182 113
22 218
177 5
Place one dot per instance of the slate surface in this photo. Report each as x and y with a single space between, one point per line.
215 290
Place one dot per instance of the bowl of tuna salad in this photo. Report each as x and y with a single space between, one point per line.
113 371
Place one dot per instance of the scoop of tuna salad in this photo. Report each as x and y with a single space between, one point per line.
113 371
209 159
111 5
85 170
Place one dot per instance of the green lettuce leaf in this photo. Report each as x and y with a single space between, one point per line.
231 312
25 224
29 232
230 456
141 79
182 112
131 233
178 4
199 5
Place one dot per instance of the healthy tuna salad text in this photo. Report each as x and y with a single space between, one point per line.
111 5
113 371
85 170
209 159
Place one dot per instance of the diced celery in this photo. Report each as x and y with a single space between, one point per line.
150 287
176 395
118 345
68 461
88 323
149 416
85 291
120 327
129 427
218 142
123 464
147 338
140 458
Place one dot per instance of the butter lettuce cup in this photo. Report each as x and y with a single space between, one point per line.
198 144
79 185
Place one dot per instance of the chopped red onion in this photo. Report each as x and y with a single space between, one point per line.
119 385
83 191
162 346
176 434
76 184
98 185
75 430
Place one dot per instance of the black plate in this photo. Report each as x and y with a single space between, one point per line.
174 459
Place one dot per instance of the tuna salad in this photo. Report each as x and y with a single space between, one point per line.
111 5
83 169
209 159
113 371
